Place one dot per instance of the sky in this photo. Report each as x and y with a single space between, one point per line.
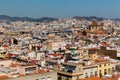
60 8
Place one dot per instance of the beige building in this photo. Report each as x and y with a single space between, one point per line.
56 45
104 67
71 71
52 75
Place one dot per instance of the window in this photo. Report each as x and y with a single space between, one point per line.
84 51
104 64
99 65
105 72
95 73
77 78
49 78
86 75
2 65
109 71
100 74
30 69
67 78
100 71
91 74
42 79
113 69
59 77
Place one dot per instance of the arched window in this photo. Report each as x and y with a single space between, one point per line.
86 75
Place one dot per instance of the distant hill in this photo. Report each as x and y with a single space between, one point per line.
90 18
94 18
43 19
49 19
116 19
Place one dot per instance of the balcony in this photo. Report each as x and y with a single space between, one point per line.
70 73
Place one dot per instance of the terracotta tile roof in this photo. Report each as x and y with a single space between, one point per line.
42 71
104 44
94 48
6 47
3 77
111 78
101 61
98 32
14 65
56 55
21 75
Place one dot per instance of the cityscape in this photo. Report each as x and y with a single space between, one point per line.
78 40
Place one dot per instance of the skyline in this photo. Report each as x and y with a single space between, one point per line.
60 8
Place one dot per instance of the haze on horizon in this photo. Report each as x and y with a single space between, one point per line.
60 8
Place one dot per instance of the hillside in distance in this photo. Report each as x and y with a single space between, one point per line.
50 19
43 19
